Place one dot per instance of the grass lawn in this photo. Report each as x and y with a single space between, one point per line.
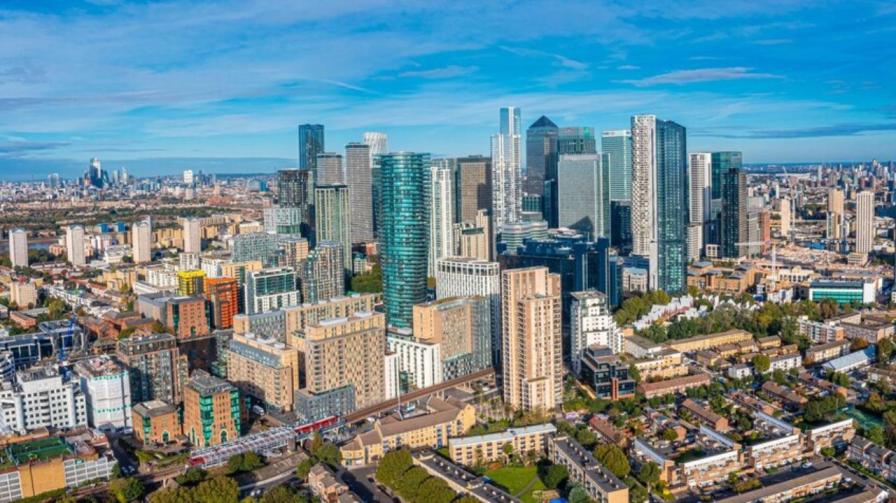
516 479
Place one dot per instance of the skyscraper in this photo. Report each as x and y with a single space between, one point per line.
441 214
329 169
473 191
699 173
570 141
618 144
360 185
541 146
295 189
835 216
378 143
583 189
141 242
462 276
864 222
405 233
532 355
323 273
192 235
506 169
660 200
18 248
333 219
733 221
74 245
311 143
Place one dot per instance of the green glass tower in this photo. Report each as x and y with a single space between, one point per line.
405 233
733 194
617 145
671 207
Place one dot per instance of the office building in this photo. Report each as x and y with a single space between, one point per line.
270 289
621 224
329 169
617 145
606 373
591 323
186 317
660 200
223 297
541 149
583 189
344 360
532 357
323 273
733 226
141 242
506 169
378 143
106 385
835 214
42 397
333 219
295 189
441 215
192 228
265 369
404 239
74 245
473 238
464 277
864 222
570 141
473 187
190 282
18 248
155 367
360 186
461 327
258 246
212 410
311 143
514 235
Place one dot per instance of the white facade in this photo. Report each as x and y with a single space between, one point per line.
141 241
506 169
441 215
643 184
699 197
266 303
784 211
107 389
378 143
41 398
421 361
192 235
786 362
695 241
592 323
18 248
188 176
74 245
462 277
391 366
864 222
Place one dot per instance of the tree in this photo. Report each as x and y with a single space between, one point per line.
304 468
392 466
553 476
125 490
192 476
282 494
885 350
649 473
637 494
761 363
410 482
507 449
578 495
611 456
251 461
779 377
876 435
670 435
216 490
435 490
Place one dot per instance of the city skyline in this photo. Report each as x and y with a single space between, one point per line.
781 83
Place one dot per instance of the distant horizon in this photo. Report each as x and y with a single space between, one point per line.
37 171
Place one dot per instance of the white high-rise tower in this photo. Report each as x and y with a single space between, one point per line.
507 169
18 248
864 222
643 183
192 235
141 242
74 245
441 214
699 197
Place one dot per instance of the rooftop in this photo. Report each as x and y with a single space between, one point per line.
206 384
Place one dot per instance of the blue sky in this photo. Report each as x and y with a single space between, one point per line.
167 86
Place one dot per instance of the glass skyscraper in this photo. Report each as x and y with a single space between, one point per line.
671 207
618 145
733 195
570 140
311 143
541 145
405 189
295 189
583 194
